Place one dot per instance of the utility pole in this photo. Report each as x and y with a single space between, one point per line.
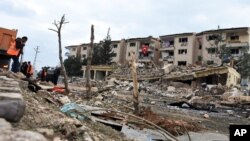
37 51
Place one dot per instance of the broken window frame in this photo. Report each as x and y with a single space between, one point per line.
133 44
212 50
182 63
234 37
183 39
235 51
115 46
182 51
200 46
212 37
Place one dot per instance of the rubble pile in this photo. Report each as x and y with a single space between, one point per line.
174 108
43 117
125 73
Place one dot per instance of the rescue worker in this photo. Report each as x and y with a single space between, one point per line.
29 70
24 68
15 49
43 74
56 75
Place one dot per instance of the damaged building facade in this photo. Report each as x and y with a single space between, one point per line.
183 49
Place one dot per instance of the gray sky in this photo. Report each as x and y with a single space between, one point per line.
126 18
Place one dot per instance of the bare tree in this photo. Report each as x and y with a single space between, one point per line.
89 60
134 75
58 25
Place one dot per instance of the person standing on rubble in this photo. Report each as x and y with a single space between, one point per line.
44 74
15 50
24 68
29 70
56 75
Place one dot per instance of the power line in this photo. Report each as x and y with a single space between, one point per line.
37 51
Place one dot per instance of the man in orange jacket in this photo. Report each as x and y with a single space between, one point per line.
29 70
15 49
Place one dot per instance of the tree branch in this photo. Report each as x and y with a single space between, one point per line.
53 30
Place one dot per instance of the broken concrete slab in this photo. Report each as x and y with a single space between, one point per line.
21 135
12 110
205 136
7 133
4 124
45 131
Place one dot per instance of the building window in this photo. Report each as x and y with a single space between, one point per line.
84 56
171 53
115 46
115 54
210 62
171 43
213 37
211 50
73 49
200 47
129 54
84 48
132 44
234 37
183 40
234 51
182 63
182 51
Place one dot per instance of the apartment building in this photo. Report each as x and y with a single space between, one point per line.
77 50
208 44
123 49
81 50
178 49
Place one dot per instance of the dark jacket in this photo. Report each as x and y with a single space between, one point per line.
19 45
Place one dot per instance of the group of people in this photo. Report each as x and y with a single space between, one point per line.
47 74
26 69
15 50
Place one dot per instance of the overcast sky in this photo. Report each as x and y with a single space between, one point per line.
126 18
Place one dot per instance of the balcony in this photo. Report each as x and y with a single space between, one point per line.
145 59
167 58
150 49
235 44
167 48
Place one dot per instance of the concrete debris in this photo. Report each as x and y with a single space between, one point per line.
230 112
64 99
206 116
4 125
114 93
7 133
153 102
12 105
99 97
98 103
171 89
190 105
45 131
204 136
